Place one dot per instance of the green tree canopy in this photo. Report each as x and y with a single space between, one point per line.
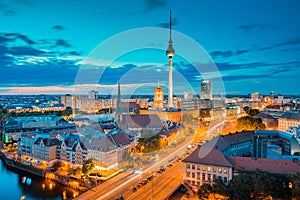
255 185
251 112
249 123
57 164
150 144
88 166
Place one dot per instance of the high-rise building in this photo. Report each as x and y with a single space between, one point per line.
158 101
170 53
272 96
255 96
93 94
188 95
206 89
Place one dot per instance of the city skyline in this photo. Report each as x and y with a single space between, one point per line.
44 44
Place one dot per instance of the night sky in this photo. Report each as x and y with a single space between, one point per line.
65 46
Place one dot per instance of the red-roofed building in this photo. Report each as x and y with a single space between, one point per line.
204 165
265 164
140 122
223 156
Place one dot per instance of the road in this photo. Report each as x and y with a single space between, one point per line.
128 184
162 184
161 187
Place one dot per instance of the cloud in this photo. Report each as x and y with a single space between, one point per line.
239 52
12 37
227 54
224 54
2 6
154 4
74 53
289 42
58 27
167 24
9 12
63 43
26 2
250 27
241 77
25 50
294 41
263 74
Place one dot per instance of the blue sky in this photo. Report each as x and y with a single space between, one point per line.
245 46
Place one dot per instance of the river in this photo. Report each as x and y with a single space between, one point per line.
17 185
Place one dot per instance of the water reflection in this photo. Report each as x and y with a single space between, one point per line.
25 186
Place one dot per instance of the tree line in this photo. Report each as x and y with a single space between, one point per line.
254 185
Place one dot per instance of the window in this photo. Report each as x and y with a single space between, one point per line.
203 177
225 180
214 177
203 168
220 170
214 169
193 175
208 169
188 174
198 175
225 171
198 167
209 177
193 166
187 166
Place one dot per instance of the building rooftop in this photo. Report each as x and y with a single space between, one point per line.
264 115
141 121
102 144
291 116
265 164
119 138
47 141
273 133
208 156
225 141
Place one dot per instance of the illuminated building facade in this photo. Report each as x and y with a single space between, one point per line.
158 101
206 89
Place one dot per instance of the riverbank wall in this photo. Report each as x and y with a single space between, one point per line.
35 171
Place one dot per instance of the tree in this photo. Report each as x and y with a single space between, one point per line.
88 166
249 123
251 112
56 165
220 188
259 185
204 191
150 144
295 184
75 171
